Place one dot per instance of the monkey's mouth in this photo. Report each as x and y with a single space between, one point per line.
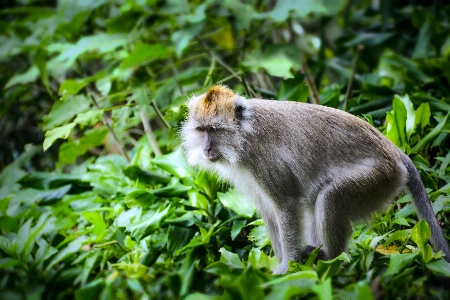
214 158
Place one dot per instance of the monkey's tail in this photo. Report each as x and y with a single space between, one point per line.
424 208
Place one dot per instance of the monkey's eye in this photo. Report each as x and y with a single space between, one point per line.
200 128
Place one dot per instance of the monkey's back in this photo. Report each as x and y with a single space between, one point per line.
329 142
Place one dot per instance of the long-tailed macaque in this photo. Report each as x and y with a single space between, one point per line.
310 170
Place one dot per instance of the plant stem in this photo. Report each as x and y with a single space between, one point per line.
352 75
108 122
149 133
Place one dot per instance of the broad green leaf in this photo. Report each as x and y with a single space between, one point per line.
200 296
237 203
279 65
244 13
148 225
430 136
197 199
172 190
96 219
310 278
327 269
324 290
258 259
259 236
89 118
29 76
230 258
423 42
175 163
420 234
181 38
236 228
101 43
423 115
58 133
64 111
178 237
439 267
70 87
70 151
299 8
144 176
410 117
72 248
294 89
399 262
144 53
396 124
396 236
140 197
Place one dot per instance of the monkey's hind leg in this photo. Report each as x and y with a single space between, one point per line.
354 195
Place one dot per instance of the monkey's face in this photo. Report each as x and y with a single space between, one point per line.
212 133
210 140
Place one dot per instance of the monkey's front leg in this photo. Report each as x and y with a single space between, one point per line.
289 219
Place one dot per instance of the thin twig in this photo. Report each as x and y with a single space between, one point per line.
209 75
352 75
308 77
310 81
223 64
149 133
108 122
159 114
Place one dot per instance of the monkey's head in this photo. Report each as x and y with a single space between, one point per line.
215 128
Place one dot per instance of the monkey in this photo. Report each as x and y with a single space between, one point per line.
310 170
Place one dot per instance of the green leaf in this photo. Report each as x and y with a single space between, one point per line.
175 163
420 234
327 269
399 262
29 76
430 136
439 267
178 237
237 203
96 219
396 124
259 236
58 133
244 13
324 290
64 111
70 87
236 228
101 43
172 190
410 117
299 8
294 89
70 151
181 38
140 197
144 53
423 115
89 118
72 248
148 225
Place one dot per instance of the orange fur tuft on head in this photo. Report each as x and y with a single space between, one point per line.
219 98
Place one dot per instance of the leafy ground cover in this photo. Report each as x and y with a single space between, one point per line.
97 200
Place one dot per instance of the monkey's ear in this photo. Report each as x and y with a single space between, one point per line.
239 112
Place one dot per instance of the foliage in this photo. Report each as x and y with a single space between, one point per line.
101 214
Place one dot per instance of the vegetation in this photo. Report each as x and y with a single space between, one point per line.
97 200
